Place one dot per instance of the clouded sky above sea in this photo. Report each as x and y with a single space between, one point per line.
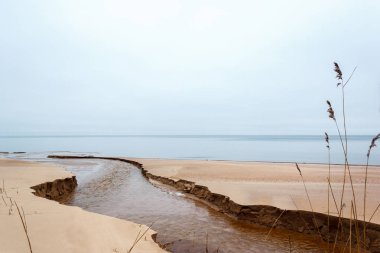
187 67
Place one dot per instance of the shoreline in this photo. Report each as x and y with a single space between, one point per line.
301 221
243 161
195 159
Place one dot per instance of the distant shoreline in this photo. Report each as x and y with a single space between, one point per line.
261 148
319 136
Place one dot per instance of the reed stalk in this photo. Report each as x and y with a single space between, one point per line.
4 200
274 224
356 230
373 144
23 221
4 190
374 212
139 237
350 237
328 186
333 196
308 197
346 168
344 143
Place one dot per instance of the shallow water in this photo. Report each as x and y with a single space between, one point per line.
280 148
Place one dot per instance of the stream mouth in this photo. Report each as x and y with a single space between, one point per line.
184 225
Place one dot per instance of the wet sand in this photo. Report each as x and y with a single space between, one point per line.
275 184
53 227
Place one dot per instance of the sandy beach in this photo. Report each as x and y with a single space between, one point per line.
242 189
274 194
274 184
53 227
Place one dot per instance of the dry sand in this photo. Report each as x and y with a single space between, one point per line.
275 184
53 227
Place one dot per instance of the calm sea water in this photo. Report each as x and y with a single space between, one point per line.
279 148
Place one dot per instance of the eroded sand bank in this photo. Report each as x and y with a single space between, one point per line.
275 184
273 194
53 227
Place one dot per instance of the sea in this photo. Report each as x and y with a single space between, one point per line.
270 148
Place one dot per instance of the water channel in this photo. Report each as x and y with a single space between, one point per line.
183 225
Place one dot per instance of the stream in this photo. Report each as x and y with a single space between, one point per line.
183 225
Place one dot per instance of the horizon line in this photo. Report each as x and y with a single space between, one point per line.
166 135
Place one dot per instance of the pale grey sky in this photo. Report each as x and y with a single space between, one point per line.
186 67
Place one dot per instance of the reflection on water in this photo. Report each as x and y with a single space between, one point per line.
118 189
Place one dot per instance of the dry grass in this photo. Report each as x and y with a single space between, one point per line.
354 230
274 224
21 212
139 237
4 200
371 146
24 225
310 204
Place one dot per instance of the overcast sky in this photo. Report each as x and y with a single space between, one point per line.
186 67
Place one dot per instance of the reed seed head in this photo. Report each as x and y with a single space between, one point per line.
330 110
338 72
373 144
327 140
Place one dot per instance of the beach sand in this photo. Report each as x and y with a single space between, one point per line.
53 227
275 184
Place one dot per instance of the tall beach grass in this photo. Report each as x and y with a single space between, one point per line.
357 240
